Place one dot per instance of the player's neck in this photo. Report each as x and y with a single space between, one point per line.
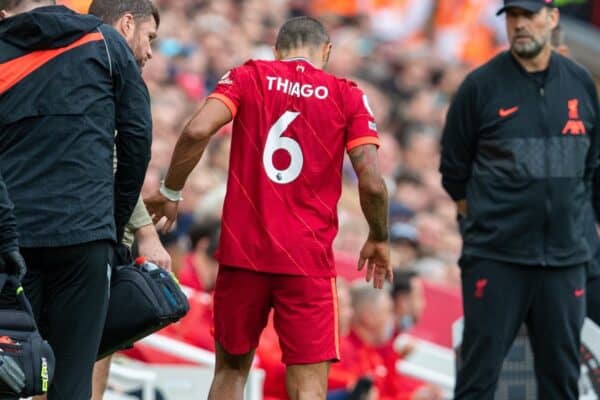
306 54
298 58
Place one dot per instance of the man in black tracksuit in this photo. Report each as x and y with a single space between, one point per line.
67 82
518 152
593 282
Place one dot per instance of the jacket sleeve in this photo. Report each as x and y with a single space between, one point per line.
8 225
139 217
593 159
134 131
459 141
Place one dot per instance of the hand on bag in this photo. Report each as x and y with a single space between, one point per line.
159 206
13 263
149 246
376 255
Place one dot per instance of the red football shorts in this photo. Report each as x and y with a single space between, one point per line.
306 314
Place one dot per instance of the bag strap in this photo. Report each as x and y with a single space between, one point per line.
21 298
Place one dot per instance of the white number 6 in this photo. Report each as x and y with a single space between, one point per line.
275 141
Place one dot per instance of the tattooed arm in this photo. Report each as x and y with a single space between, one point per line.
374 203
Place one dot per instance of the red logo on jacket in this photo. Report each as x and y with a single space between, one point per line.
480 287
574 125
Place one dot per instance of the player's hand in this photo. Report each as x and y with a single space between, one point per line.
159 206
376 256
13 263
149 246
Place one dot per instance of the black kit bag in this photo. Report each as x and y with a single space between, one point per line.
144 298
26 360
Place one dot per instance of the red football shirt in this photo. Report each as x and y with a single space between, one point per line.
292 124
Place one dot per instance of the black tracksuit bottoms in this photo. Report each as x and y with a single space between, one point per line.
593 299
68 289
498 297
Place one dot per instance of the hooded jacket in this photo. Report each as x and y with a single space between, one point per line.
67 82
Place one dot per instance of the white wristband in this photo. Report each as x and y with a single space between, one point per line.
171 195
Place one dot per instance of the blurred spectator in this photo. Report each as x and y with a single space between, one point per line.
408 298
200 267
404 244
410 193
372 329
420 143
467 30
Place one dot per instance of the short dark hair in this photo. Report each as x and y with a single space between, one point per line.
210 230
12 4
110 11
300 31
402 282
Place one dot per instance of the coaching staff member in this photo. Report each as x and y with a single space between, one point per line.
67 82
518 151
593 283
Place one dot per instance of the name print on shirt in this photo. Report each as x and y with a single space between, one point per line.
296 89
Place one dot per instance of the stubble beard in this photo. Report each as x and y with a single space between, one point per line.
528 50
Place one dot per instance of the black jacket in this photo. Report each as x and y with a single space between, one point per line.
522 153
67 82
8 230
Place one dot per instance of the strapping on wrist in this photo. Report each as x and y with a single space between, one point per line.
170 194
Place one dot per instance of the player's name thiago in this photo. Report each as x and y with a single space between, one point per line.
296 89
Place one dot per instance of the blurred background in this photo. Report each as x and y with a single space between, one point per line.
409 56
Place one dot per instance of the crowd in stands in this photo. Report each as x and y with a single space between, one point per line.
409 57
402 53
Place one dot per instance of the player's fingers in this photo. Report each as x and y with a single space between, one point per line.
380 274
155 218
167 264
361 263
167 226
369 271
389 275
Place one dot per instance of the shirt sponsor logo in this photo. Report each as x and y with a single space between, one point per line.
296 89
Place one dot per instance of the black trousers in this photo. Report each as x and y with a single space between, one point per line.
498 298
593 299
68 290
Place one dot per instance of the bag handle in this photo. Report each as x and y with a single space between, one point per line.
20 294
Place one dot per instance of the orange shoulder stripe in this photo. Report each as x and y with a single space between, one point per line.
14 71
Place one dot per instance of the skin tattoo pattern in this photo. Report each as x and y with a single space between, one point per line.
365 162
